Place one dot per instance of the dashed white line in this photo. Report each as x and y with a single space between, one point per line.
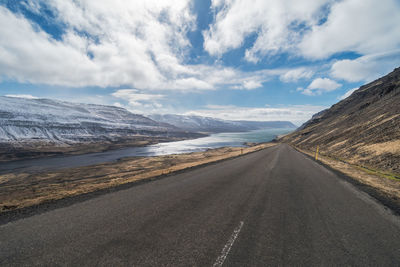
225 251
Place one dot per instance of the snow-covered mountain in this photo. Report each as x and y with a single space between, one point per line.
64 122
213 125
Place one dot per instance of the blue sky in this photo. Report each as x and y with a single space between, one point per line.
268 60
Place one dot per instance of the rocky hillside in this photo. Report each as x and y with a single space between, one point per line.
57 121
362 129
213 125
38 126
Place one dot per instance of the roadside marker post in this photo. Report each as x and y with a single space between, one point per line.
316 153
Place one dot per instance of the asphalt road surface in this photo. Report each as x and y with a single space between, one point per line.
273 207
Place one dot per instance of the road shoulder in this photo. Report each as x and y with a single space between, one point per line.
384 189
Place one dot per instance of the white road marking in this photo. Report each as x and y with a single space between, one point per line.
225 251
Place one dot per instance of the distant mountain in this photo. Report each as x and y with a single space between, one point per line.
213 125
36 120
363 129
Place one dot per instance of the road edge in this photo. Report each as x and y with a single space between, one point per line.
373 192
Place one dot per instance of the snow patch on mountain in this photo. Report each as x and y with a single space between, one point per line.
58 121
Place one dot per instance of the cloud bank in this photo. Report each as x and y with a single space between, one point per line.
312 29
140 44
145 44
294 113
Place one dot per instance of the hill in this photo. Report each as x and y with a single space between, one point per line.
213 125
362 129
34 125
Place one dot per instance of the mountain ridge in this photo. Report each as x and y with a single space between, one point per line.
32 128
65 122
214 125
363 128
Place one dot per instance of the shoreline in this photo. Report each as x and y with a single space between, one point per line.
141 147
41 150
20 191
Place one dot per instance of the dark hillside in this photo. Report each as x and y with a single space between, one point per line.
363 129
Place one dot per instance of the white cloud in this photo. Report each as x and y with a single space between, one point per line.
312 29
252 84
140 44
320 85
347 94
23 96
366 68
296 74
295 113
273 21
362 26
324 84
144 44
249 84
32 5
137 99
191 83
214 77
29 55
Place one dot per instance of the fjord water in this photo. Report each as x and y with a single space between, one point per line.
215 141
179 147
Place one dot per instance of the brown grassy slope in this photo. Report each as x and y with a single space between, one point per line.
362 129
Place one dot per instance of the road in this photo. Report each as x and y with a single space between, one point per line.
272 207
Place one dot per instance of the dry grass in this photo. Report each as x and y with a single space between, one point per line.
376 124
21 190
392 147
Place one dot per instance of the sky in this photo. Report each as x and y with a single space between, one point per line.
230 59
